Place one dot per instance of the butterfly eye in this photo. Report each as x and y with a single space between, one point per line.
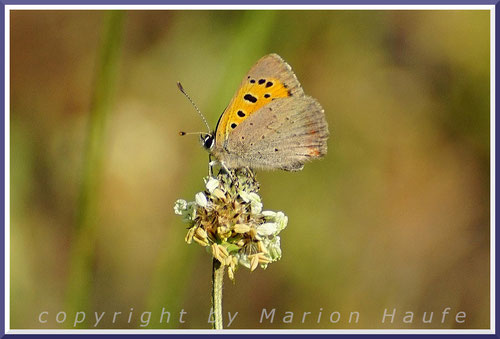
207 140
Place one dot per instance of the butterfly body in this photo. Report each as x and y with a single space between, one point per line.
270 123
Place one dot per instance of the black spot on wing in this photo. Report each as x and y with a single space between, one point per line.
261 81
233 125
269 84
241 114
251 98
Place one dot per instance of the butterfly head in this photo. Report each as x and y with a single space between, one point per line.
207 141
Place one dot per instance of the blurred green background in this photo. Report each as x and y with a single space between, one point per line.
395 216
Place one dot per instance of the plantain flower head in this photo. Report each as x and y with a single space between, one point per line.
228 219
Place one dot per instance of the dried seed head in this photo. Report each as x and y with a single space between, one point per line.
241 228
189 235
254 262
228 217
201 233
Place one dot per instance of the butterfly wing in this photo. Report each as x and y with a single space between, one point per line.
269 79
284 134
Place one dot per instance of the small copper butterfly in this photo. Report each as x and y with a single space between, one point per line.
270 123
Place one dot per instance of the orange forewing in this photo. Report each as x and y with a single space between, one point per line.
252 95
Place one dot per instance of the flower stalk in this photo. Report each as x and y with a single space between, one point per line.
217 280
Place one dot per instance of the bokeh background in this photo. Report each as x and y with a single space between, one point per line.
396 215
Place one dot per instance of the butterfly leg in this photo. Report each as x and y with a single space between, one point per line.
211 164
231 175
250 172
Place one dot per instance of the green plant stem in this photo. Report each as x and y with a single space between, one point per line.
217 280
84 237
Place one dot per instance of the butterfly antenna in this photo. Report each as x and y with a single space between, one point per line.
182 133
196 107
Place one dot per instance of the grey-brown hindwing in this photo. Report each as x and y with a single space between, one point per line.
284 134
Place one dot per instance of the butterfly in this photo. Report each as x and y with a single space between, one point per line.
270 123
